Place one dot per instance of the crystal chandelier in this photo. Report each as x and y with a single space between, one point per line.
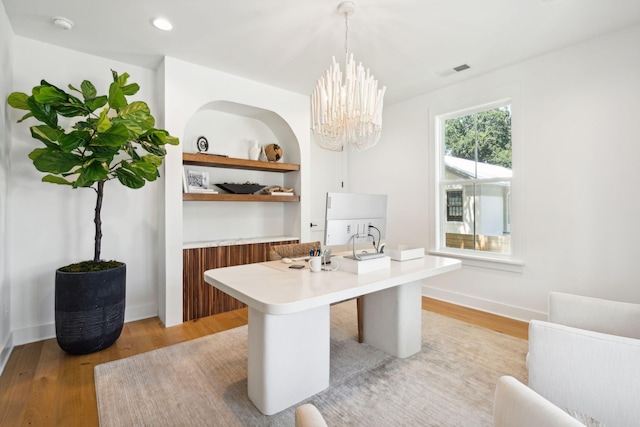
346 111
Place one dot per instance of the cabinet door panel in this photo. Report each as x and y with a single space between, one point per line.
201 299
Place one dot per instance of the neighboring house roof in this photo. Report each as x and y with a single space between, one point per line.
467 168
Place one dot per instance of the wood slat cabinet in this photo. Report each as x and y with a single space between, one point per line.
199 159
201 299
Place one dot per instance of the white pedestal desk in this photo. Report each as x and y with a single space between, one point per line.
288 346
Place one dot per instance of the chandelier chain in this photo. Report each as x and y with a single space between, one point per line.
346 34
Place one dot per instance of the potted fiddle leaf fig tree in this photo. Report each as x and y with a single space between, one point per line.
109 139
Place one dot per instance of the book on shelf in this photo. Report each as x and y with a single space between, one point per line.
281 193
202 190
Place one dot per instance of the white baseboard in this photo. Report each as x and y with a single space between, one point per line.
48 331
493 307
140 312
5 352
34 333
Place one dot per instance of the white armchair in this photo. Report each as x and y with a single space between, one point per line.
516 405
587 358
307 415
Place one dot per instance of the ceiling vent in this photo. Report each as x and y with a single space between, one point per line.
454 70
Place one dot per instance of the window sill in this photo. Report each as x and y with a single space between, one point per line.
493 262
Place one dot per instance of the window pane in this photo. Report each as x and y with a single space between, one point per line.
478 145
485 218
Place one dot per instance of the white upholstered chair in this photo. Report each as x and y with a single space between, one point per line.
516 405
308 415
586 358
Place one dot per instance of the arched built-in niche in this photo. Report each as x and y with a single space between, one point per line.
229 127
280 128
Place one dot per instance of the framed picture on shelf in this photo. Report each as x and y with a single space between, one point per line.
196 182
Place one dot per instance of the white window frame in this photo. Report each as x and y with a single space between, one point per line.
482 101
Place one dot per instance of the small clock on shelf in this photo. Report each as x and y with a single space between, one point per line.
202 144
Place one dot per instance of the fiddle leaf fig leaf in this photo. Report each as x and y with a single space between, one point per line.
71 109
154 160
94 103
122 79
136 117
153 149
49 94
88 90
46 133
43 112
103 121
94 171
172 140
116 97
18 100
37 152
55 161
55 180
128 178
72 140
137 106
131 89
117 135
25 117
143 169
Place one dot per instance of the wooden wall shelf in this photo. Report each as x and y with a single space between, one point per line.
206 197
210 160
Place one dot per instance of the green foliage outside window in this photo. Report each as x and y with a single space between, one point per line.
486 134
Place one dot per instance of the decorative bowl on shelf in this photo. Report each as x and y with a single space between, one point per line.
241 188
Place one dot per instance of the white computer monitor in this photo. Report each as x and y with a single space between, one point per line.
354 218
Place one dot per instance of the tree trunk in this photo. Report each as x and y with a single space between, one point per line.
98 222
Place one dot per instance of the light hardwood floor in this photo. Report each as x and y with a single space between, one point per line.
43 386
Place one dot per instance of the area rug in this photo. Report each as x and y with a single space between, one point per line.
204 382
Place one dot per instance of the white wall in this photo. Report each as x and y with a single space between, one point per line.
579 111
187 88
6 76
52 226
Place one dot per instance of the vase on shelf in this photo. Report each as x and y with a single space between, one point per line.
263 155
254 149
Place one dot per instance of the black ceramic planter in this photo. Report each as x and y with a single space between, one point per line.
89 309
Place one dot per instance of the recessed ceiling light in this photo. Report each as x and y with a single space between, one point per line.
63 23
162 24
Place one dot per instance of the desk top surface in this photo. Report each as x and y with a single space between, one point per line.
274 288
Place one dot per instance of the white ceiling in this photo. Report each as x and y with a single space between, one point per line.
289 43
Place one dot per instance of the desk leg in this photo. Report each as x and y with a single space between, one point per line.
392 319
288 357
